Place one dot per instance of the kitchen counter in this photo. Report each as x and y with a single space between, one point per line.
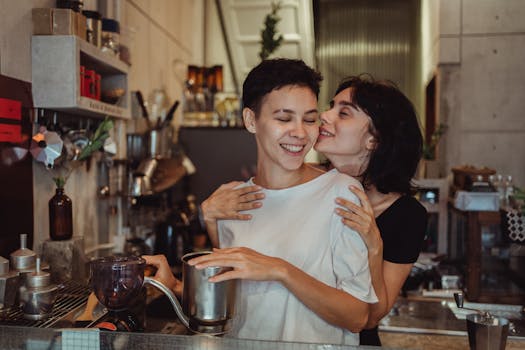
92 339
433 323
414 323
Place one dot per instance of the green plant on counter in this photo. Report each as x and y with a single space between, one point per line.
270 41
518 199
94 144
429 147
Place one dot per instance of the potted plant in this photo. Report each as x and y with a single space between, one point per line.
429 166
270 41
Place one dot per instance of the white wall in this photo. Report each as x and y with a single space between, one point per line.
482 80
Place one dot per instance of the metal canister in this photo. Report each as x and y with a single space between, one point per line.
9 283
38 294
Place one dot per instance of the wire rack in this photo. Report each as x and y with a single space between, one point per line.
71 295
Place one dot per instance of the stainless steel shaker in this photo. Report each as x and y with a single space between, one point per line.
37 294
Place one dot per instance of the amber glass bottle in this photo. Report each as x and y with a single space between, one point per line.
60 216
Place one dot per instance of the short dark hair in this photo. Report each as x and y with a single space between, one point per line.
273 74
393 163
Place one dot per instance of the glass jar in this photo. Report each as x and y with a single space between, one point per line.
110 39
60 216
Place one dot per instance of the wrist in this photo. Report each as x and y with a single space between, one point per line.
376 249
206 214
281 270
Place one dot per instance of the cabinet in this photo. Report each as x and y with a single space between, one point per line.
56 61
477 243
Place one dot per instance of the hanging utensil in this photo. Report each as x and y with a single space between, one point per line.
169 115
46 146
142 105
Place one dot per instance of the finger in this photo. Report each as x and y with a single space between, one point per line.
348 204
203 259
243 217
365 203
248 189
353 225
250 197
344 213
231 184
155 260
248 206
225 276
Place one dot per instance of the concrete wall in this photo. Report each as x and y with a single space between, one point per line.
163 36
482 84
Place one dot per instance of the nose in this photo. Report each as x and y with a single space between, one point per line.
325 117
298 130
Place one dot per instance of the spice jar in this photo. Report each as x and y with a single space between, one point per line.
110 39
93 27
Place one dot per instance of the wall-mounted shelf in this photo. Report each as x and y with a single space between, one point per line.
56 61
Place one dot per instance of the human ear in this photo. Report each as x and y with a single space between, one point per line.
249 120
371 143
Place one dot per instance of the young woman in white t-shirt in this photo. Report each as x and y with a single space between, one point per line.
305 275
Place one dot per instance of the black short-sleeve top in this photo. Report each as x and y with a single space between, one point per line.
403 227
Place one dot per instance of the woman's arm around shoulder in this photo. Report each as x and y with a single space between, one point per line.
228 202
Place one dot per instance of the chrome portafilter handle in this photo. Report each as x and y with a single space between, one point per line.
459 297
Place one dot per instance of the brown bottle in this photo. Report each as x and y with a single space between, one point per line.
60 216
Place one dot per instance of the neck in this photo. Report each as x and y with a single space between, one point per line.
380 201
354 167
272 179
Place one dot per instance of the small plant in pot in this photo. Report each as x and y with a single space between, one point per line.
429 164
71 158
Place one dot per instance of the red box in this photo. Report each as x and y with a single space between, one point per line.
10 109
90 83
11 133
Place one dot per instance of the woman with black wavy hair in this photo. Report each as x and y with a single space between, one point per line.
371 132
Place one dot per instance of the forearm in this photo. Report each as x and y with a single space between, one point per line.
379 309
333 305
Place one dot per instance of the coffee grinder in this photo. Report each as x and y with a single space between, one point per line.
124 300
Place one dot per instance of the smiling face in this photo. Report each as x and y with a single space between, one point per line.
345 137
285 129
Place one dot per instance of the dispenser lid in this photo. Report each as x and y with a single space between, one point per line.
4 266
23 251
38 278
23 258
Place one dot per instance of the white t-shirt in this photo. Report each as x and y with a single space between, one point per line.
298 224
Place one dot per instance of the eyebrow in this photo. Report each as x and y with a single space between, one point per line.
345 103
289 111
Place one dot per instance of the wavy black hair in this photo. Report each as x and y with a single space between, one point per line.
394 161
273 74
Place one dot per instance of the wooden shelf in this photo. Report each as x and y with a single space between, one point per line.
56 61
